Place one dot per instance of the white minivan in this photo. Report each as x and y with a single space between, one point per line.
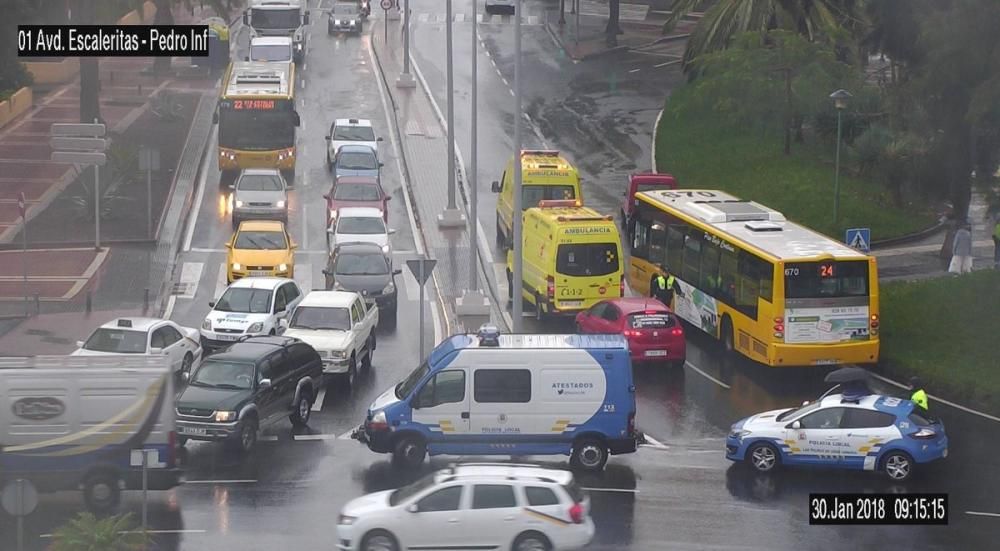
271 49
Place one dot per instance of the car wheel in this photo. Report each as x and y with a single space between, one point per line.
409 452
763 457
352 372
898 466
303 409
186 363
366 363
247 435
728 344
531 541
101 492
379 540
589 454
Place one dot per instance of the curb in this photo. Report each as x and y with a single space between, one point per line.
652 151
891 370
910 238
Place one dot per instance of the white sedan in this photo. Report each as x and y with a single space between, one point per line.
359 225
144 336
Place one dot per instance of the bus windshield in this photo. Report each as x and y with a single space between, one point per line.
256 130
587 259
828 279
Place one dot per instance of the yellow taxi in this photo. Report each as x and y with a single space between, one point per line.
545 175
572 258
260 248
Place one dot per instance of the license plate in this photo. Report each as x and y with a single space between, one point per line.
259 273
825 362
571 303
194 431
226 337
656 352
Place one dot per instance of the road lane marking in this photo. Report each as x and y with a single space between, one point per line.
268 438
304 275
943 401
635 70
317 404
656 443
314 436
223 481
707 376
305 227
169 310
207 250
199 195
190 276
618 490
982 514
674 62
220 282
412 287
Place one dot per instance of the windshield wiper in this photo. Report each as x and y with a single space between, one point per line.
254 241
229 386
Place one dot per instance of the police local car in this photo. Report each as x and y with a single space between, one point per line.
492 394
871 432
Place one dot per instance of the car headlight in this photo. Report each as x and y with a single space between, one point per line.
237 266
207 324
739 434
223 416
390 287
353 22
281 204
282 267
385 248
256 327
239 203
345 520
337 22
338 354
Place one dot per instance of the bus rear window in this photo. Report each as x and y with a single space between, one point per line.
651 321
828 279
587 259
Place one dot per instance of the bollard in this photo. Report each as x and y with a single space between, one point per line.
145 300
38 305
89 302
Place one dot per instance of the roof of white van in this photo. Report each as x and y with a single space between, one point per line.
271 41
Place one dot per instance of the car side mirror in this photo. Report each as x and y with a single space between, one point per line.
397 271
327 137
392 231
305 18
246 18
388 198
211 304
378 139
381 164
232 186
331 231
796 425
413 508
294 245
185 376
326 196
155 350
229 245
495 187
264 383
79 344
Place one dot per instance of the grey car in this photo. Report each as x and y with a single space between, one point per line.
260 194
344 18
366 269
357 160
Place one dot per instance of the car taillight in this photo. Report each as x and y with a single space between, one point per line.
631 423
630 333
576 513
874 322
924 434
551 290
621 287
676 331
779 328
171 449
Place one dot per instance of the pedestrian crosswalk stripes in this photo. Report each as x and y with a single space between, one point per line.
482 18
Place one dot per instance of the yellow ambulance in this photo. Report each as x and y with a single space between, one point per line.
545 175
572 258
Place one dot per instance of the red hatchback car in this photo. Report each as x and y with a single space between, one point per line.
654 333
356 191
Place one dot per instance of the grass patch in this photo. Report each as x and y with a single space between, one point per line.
704 150
944 331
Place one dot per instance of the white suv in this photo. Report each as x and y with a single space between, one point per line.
350 131
472 506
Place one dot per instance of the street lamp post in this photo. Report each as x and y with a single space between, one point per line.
405 79
451 217
839 98
517 276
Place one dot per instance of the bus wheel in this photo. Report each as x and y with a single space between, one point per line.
101 492
726 334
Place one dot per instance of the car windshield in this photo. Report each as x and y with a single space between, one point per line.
341 9
321 318
119 341
798 412
532 194
356 192
261 240
361 264
224 374
245 301
406 386
361 225
356 160
410 490
354 134
260 182
271 52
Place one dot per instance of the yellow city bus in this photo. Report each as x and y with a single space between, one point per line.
257 119
770 289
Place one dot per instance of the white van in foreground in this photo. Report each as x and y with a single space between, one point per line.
72 422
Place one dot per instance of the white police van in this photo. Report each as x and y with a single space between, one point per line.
492 394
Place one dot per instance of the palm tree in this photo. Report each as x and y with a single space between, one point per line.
86 532
813 19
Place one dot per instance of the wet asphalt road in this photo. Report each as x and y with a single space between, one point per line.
680 494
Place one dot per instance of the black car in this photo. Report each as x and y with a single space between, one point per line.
256 382
367 270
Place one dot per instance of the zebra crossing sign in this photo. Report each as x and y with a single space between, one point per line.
860 239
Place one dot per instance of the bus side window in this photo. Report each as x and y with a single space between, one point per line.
749 284
728 273
692 260
640 243
766 270
710 268
675 248
658 242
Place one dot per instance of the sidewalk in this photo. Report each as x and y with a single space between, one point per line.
589 40
424 147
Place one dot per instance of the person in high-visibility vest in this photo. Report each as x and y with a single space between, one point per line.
663 288
919 397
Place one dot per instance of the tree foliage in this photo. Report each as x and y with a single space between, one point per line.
13 75
87 532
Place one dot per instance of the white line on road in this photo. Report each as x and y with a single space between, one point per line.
511 91
707 376
618 490
305 228
320 396
199 195
223 481
314 436
674 62
982 514
220 282
269 438
942 400
171 300
304 276
635 70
